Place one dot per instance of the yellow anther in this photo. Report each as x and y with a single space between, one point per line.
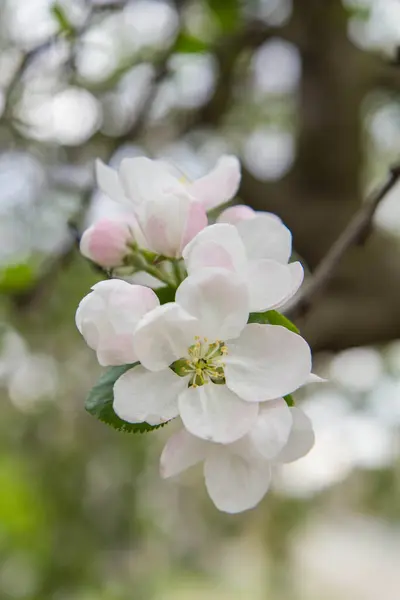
206 339
196 337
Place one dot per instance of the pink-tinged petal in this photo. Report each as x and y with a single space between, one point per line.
297 277
218 299
126 303
115 350
235 214
164 222
164 335
301 438
146 180
196 221
235 482
269 283
267 362
106 242
214 413
109 183
181 451
108 316
272 428
142 396
219 185
215 246
266 236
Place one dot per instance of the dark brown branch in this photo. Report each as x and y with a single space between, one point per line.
355 233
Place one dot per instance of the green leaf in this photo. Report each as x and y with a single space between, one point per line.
188 44
227 13
99 403
272 317
289 400
64 24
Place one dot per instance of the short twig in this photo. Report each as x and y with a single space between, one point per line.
355 233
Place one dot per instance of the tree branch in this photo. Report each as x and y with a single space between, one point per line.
355 233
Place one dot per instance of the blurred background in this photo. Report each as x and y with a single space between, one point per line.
307 94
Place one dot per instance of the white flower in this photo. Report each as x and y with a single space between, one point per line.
170 209
107 318
238 475
225 366
258 249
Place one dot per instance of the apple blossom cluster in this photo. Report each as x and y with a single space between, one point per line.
206 346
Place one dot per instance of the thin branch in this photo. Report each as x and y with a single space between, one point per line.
355 233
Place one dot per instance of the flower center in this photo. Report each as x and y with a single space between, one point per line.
205 362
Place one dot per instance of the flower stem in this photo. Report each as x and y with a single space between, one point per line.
176 268
137 260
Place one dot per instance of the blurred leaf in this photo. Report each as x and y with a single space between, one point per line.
227 13
289 400
16 278
188 44
272 317
22 509
99 403
359 12
64 24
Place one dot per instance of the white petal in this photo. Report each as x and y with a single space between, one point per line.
269 283
267 362
214 413
109 183
313 378
297 277
266 236
215 246
219 185
146 180
142 396
164 335
272 428
235 482
181 451
301 438
219 300
126 309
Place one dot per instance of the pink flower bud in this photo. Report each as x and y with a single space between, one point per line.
235 214
106 242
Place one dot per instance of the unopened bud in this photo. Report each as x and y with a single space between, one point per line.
106 242
235 214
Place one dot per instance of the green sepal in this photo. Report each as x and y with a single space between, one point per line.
272 317
165 294
289 400
99 402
